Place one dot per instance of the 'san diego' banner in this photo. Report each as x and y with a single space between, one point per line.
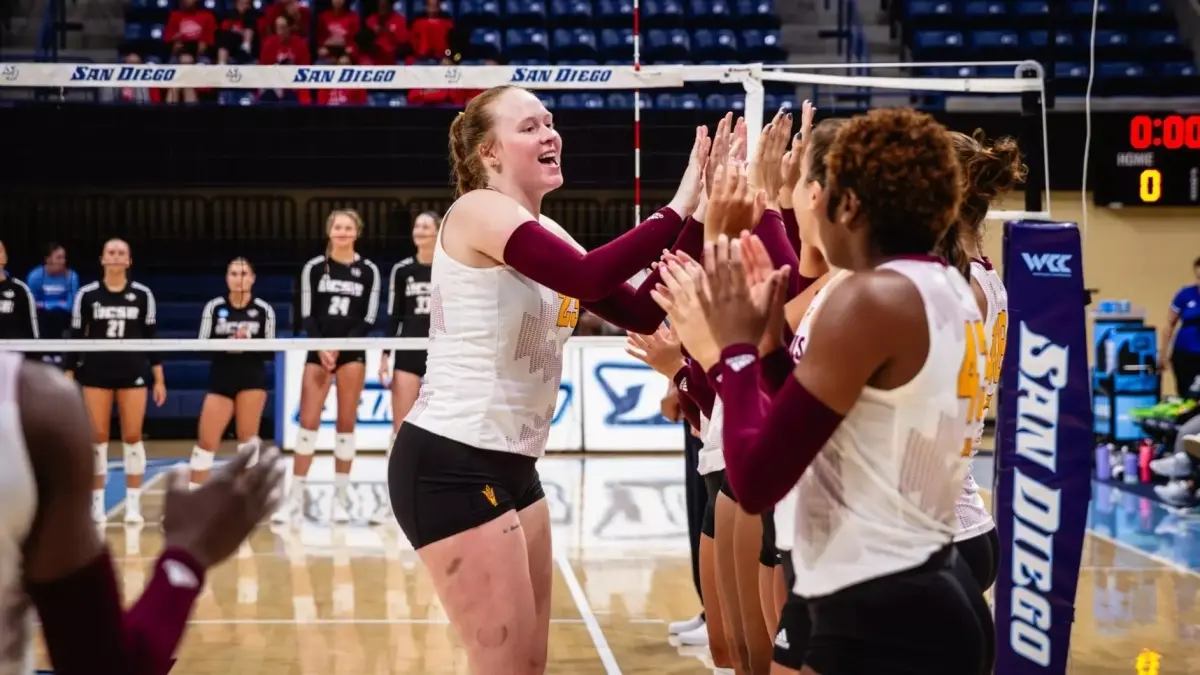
1043 456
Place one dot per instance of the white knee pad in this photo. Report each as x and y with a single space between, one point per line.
135 459
343 447
306 443
100 459
202 460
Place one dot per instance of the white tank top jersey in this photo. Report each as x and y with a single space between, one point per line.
973 516
879 497
712 454
495 356
785 510
18 506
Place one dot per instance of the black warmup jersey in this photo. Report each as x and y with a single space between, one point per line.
18 311
339 300
222 321
408 299
102 314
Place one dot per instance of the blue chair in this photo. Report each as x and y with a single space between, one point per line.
571 12
1110 70
717 102
585 63
711 13
574 43
616 43
485 43
985 10
1032 7
1106 39
714 45
938 40
619 100
761 45
615 12
528 62
416 8
667 45
1156 38
1178 69
137 31
756 14
1038 38
995 40
773 102
547 99
527 43
581 100
662 13
232 97
526 11
1070 71
1143 8
479 12
923 10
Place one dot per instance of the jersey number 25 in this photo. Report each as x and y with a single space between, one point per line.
971 379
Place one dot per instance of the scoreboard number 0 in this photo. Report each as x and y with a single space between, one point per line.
1150 186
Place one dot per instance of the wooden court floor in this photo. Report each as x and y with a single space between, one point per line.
354 600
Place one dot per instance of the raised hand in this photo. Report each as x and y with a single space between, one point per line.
211 521
765 174
790 166
733 206
687 197
661 350
758 267
722 140
736 312
680 296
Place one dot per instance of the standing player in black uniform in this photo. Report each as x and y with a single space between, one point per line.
116 308
238 380
408 316
18 310
339 299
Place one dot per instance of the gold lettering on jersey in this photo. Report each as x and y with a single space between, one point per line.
340 287
971 383
118 313
568 311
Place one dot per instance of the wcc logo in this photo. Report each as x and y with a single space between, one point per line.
1048 264
625 385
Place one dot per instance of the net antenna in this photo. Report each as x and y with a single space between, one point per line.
1028 83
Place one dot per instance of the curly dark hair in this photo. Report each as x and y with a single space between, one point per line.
902 167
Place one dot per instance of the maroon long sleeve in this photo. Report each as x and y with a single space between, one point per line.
687 405
776 367
767 444
88 633
635 309
544 257
791 227
770 230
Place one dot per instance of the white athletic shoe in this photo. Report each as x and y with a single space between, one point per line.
99 516
696 637
342 506
291 508
1177 465
1177 493
677 627
133 511
383 514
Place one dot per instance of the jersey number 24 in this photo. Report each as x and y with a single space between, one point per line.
971 379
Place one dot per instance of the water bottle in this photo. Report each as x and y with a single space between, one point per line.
1130 462
1145 454
1103 462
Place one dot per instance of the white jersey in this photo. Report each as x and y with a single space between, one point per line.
18 506
973 516
712 453
785 510
495 356
879 497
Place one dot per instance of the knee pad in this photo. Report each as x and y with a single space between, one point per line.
306 443
135 459
202 460
100 459
343 447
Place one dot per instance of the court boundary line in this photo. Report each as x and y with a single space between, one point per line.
589 617
1165 562
147 483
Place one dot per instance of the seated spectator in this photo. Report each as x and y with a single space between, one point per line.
136 95
284 46
391 35
339 97
337 25
187 95
240 34
362 48
191 24
431 32
53 286
300 16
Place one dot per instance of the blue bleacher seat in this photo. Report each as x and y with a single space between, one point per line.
530 43
616 43
416 8
485 42
717 102
667 45
1119 69
662 12
1037 38
935 39
1087 7
1070 71
761 45
756 13
711 13
577 43
479 11
581 100
717 45
1177 69
571 12
615 12
994 39
1032 7
619 100
137 31
526 11
547 99
1157 38
923 9
1146 7
985 9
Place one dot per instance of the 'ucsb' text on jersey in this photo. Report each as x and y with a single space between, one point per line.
222 320
125 314
338 300
18 311
408 299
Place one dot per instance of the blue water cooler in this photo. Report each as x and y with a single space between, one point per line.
1125 376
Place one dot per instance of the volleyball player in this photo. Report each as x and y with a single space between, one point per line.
878 463
116 308
408 316
237 380
508 285
339 299
53 560
989 172
18 310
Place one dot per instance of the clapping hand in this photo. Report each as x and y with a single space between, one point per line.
660 350
738 312
790 165
722 141
680 297
734 206
765 173
687 197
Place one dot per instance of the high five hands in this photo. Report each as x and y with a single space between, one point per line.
691 187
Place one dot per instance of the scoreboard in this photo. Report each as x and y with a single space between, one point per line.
1148 160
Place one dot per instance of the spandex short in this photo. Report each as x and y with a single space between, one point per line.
726 488
712 485
342 359
768 555
410 361
923 621
791 638
103 378
440 487
981 554
229 380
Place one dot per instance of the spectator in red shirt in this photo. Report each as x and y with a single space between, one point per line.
284 47
190 24
431 33
339 97
136 95
338 24
189 94
240 32
300 16
391 34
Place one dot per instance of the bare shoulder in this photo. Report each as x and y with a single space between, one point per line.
489 207
872 297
